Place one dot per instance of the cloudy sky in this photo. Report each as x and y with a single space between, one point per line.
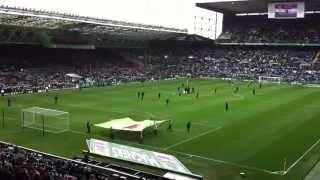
173 13
169 13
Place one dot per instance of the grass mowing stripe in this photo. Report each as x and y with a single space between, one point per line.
278 134
249 123
184 154
226 162
228 148
193 138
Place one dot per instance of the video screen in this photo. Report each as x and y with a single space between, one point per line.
286 10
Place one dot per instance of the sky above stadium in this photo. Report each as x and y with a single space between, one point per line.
169 13
172 13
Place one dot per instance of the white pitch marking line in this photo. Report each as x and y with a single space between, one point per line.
226 162
191 155
203 124
195 137
304 154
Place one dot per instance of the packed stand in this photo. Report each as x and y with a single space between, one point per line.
239 63
261 30
31 70
37 71
22 164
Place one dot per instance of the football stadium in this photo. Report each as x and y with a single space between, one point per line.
234 96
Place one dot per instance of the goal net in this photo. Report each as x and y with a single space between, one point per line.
269 79
49 120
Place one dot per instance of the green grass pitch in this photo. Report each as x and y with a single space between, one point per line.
255 135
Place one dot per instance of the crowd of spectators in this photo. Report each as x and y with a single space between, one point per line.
257 34
17 163
36 70
240 63
260 30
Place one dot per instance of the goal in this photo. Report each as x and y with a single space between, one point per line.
49 120
269 79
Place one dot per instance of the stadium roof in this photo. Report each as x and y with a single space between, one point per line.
21 17
252 6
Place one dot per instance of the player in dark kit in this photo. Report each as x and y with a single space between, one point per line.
260 85
215 90
138 94
56 98
159 95
9 102
167 101
142 95
197 95
155 129
141 137
254 91
170 126
111 133
236 90
227 106
187 90
188 126
88 127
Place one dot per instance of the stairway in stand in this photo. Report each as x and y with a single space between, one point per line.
316 58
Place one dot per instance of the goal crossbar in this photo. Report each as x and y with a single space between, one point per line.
47 112
50 120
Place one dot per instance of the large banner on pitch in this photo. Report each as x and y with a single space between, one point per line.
136 155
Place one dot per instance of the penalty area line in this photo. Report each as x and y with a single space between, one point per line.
195 137
302 156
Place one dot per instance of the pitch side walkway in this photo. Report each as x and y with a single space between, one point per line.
314 174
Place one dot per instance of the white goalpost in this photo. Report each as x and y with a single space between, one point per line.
269 79
49 120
